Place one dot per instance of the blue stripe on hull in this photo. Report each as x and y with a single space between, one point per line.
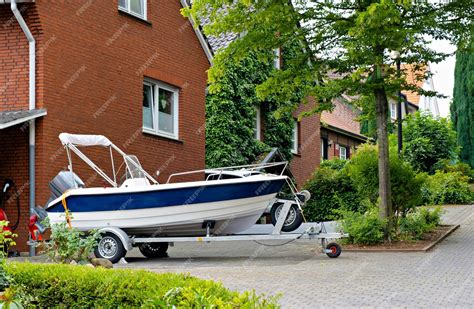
169 197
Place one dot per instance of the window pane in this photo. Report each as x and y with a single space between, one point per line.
256 124
136 6
122 4
165 107
148 106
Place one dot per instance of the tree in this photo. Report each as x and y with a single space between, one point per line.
428 143
462 107
348 45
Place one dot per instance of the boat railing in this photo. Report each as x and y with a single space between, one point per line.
220 170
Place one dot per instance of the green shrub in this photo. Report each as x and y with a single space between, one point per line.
405 183
415 224
363 228
69 244
67 286
460 167
428 142
447 188
335 164
330 190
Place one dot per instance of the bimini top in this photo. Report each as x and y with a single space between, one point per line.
84 140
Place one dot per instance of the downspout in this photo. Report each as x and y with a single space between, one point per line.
32 105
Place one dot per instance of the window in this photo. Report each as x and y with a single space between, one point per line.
342 152
294 137
393 110
160 109
277 58
134 7
324 149
257 127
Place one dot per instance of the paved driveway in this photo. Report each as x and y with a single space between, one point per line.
443 277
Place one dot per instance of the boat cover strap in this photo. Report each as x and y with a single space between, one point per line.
84 140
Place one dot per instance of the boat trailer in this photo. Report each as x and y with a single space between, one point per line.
313 231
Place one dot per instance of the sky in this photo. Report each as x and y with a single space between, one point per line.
443 78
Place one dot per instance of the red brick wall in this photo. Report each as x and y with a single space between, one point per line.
14 57
309 151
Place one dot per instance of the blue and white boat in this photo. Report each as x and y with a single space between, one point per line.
139 205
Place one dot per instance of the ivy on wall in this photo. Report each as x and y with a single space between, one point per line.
231 113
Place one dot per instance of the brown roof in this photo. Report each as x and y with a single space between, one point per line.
413 78
343 117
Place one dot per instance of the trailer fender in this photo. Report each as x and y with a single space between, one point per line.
127 243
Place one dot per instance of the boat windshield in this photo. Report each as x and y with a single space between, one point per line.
134 169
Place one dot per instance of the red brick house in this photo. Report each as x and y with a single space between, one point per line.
97 68
340 131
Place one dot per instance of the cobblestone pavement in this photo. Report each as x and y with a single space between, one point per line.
441 278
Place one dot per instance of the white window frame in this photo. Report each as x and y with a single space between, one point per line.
258 124
294 146
277 58
341 155
393 110
156 85
129 11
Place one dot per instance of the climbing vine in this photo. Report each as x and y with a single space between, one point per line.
231 111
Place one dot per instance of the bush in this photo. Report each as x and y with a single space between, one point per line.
6 240
460 167
330 189
447 188
415 224
405 183
69 244
428 142
363 228
335 164
67 286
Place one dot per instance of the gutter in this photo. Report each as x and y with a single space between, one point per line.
201 37
32 105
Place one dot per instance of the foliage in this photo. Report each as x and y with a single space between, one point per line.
6 241
348 45
363 228
230 112
462 106
406 184
46 286
428 142
69 244
331 189
460 167
335 164
447 188
416 224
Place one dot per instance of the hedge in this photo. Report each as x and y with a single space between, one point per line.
55 285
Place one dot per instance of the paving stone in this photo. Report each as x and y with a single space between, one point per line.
440 278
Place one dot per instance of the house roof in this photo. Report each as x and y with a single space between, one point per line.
412 77
343 119
11 118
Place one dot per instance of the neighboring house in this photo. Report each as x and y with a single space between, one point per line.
101 68
340 131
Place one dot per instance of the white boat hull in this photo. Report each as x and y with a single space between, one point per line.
230 216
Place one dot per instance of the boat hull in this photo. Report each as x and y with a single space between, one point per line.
234 206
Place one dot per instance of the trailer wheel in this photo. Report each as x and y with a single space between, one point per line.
335 250
293 220
154 249
110 247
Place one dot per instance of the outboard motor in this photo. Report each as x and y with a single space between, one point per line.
64 180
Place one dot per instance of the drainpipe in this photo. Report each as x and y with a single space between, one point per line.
32 105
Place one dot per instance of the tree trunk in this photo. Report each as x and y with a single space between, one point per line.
385 192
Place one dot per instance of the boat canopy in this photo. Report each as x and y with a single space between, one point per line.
84 140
